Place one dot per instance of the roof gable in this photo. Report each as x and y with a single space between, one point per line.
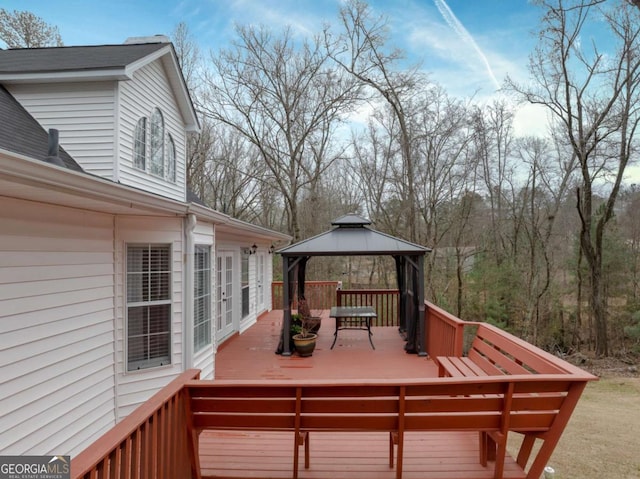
96 63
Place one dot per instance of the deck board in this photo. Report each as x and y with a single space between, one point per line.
269 455
251 355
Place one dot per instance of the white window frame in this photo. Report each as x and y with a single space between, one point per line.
202 295
170 160
245 291
140 144
156 300
154 149
156 144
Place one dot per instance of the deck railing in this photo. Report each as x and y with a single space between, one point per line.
445 334
386 302
319 294
150 443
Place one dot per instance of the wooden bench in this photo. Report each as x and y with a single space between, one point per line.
492 404
494 353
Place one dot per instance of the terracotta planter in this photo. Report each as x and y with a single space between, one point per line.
305 345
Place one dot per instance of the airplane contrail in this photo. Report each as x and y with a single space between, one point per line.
462 32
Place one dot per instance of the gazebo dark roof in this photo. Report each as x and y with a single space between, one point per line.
351 235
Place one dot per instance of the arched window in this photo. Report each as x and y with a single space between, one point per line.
140 144
154 150
156 143
171 159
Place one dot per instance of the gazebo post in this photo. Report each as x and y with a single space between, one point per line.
288 265
286 306
421 308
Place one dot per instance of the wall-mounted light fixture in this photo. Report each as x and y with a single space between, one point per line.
251 250
271 249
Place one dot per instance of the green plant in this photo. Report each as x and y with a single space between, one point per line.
296 324
633 331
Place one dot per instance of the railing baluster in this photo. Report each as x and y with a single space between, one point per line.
149 443
444 332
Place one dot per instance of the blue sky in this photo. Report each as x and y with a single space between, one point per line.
468 46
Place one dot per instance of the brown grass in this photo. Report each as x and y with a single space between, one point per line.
602 439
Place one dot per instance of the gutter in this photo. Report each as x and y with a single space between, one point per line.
24 170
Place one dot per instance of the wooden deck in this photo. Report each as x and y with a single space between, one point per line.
346 456
251 355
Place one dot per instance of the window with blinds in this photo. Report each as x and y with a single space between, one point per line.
148 306
202 297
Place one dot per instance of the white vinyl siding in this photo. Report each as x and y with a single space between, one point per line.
135 387
56 324
84 114
138 98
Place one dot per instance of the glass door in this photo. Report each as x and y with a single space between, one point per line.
224 296
260 282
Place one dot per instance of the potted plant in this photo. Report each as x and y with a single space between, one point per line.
304 341
304 329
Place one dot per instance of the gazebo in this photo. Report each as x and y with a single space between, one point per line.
351 235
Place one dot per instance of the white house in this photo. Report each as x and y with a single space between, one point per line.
112 281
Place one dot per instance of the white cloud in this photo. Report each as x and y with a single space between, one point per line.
466 38
302 21
531 120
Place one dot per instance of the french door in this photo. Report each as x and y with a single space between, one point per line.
260 282
224 296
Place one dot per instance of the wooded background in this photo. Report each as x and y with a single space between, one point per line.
539 235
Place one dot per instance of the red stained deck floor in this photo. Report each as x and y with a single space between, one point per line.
251 355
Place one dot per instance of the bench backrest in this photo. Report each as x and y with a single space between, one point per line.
492 403
241 406
498 353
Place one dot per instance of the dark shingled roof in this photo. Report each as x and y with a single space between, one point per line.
65 59
193 198
351 235
21 133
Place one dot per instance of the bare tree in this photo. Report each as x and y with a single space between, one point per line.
375 169
188 54
361 49
594 95
21 29
546 181
287 100
493 138
441 137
